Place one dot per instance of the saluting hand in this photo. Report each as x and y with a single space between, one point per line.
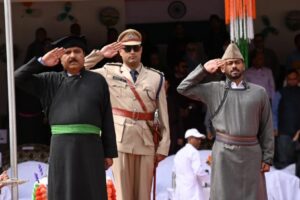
213 65
110 50
52 58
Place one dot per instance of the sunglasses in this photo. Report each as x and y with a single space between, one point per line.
129 48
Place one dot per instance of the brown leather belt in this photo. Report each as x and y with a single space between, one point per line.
133 115
236 140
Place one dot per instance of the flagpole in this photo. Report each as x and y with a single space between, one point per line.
11 96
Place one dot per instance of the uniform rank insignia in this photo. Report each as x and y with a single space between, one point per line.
118 78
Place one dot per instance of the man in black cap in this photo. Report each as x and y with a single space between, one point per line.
77 104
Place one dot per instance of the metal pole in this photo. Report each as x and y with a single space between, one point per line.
11 96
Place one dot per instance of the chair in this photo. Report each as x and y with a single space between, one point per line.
32 158
26 171
26 152
282 186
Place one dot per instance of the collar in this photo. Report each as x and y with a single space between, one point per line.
68 74
138 69
233 85
78 74
190 146
243 85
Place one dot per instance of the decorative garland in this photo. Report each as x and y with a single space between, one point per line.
239 14
111 191
39 191
28 9
66 13
268 28
40 187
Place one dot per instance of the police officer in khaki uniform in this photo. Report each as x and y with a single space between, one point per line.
133 169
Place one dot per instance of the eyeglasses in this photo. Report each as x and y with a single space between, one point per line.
135 48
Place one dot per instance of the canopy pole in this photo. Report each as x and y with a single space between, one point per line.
11 96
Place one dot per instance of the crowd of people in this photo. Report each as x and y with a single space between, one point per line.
202 92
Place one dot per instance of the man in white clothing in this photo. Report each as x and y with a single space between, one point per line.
188 168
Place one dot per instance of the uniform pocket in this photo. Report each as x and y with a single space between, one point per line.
117 88
150 92
119 123
147 136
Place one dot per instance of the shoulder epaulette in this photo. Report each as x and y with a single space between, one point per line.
155 70
115 64
161 74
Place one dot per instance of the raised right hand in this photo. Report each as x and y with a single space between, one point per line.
110 50
213 65
52 58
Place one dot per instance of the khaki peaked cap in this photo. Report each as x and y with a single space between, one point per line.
130 37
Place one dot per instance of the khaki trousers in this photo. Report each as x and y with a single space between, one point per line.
133 176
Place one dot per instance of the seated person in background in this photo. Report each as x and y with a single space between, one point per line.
259 74
271 59
286 115
293 59
37 47
175 122
188 168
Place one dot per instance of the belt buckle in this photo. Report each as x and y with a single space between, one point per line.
230 146
135 115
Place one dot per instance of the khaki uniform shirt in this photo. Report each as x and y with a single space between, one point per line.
134 136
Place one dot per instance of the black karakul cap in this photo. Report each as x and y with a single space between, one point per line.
71 41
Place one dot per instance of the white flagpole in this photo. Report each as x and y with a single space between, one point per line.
11 96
